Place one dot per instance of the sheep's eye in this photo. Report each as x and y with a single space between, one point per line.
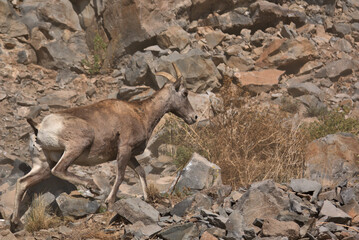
185 93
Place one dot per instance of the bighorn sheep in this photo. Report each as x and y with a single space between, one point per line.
101 132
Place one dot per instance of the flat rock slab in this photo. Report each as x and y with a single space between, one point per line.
199 174
77 207
304 186
274 228
134 210
333 214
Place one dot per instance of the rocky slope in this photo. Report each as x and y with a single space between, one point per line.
304 51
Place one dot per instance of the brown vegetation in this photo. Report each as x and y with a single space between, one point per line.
38 216
249 145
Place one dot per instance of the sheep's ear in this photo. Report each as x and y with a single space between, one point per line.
177 84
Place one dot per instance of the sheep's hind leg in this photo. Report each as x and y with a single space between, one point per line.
40 171
135 165
60 170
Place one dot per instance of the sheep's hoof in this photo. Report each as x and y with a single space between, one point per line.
94 189
16 226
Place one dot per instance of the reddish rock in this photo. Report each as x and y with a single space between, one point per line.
259 81
287 53
332 159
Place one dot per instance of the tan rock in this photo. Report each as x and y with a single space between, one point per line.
208 236
274 228
259 81
287 53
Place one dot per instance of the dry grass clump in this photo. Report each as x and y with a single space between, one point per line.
153 194
39 217
249 145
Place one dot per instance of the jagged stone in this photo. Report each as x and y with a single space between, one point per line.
173 37
139 229
265 194
326 153
333 214
213 38
58 99
304 186
274 228
197 68
60 12
199 174
336 69
182 207
305 88
288 54
341 29
77 207
266 14
180 231
134 209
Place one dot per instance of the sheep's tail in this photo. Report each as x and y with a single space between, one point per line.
33 124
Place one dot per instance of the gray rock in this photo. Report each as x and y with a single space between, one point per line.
232 21
343 45
65 77
274 228
58 99
258 38
77 207
341 29
265 194
347 195
214 38
266 14
180 231
134 209
199 71
137 71
305 186
305 88
61 13
337 68
181 208
199 174
235 225
173 37
139 229
333 214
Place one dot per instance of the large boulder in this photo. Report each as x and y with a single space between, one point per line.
332 159
267 14
271 199
199 174
10 23
133 25
77 207
287 54
199 71
134 210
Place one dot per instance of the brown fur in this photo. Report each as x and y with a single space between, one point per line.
101 132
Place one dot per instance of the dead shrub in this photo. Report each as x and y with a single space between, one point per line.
38 216
249 145
153 194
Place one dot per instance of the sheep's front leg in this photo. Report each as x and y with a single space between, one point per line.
123 156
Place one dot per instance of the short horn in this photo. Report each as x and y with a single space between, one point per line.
167 75
178 72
